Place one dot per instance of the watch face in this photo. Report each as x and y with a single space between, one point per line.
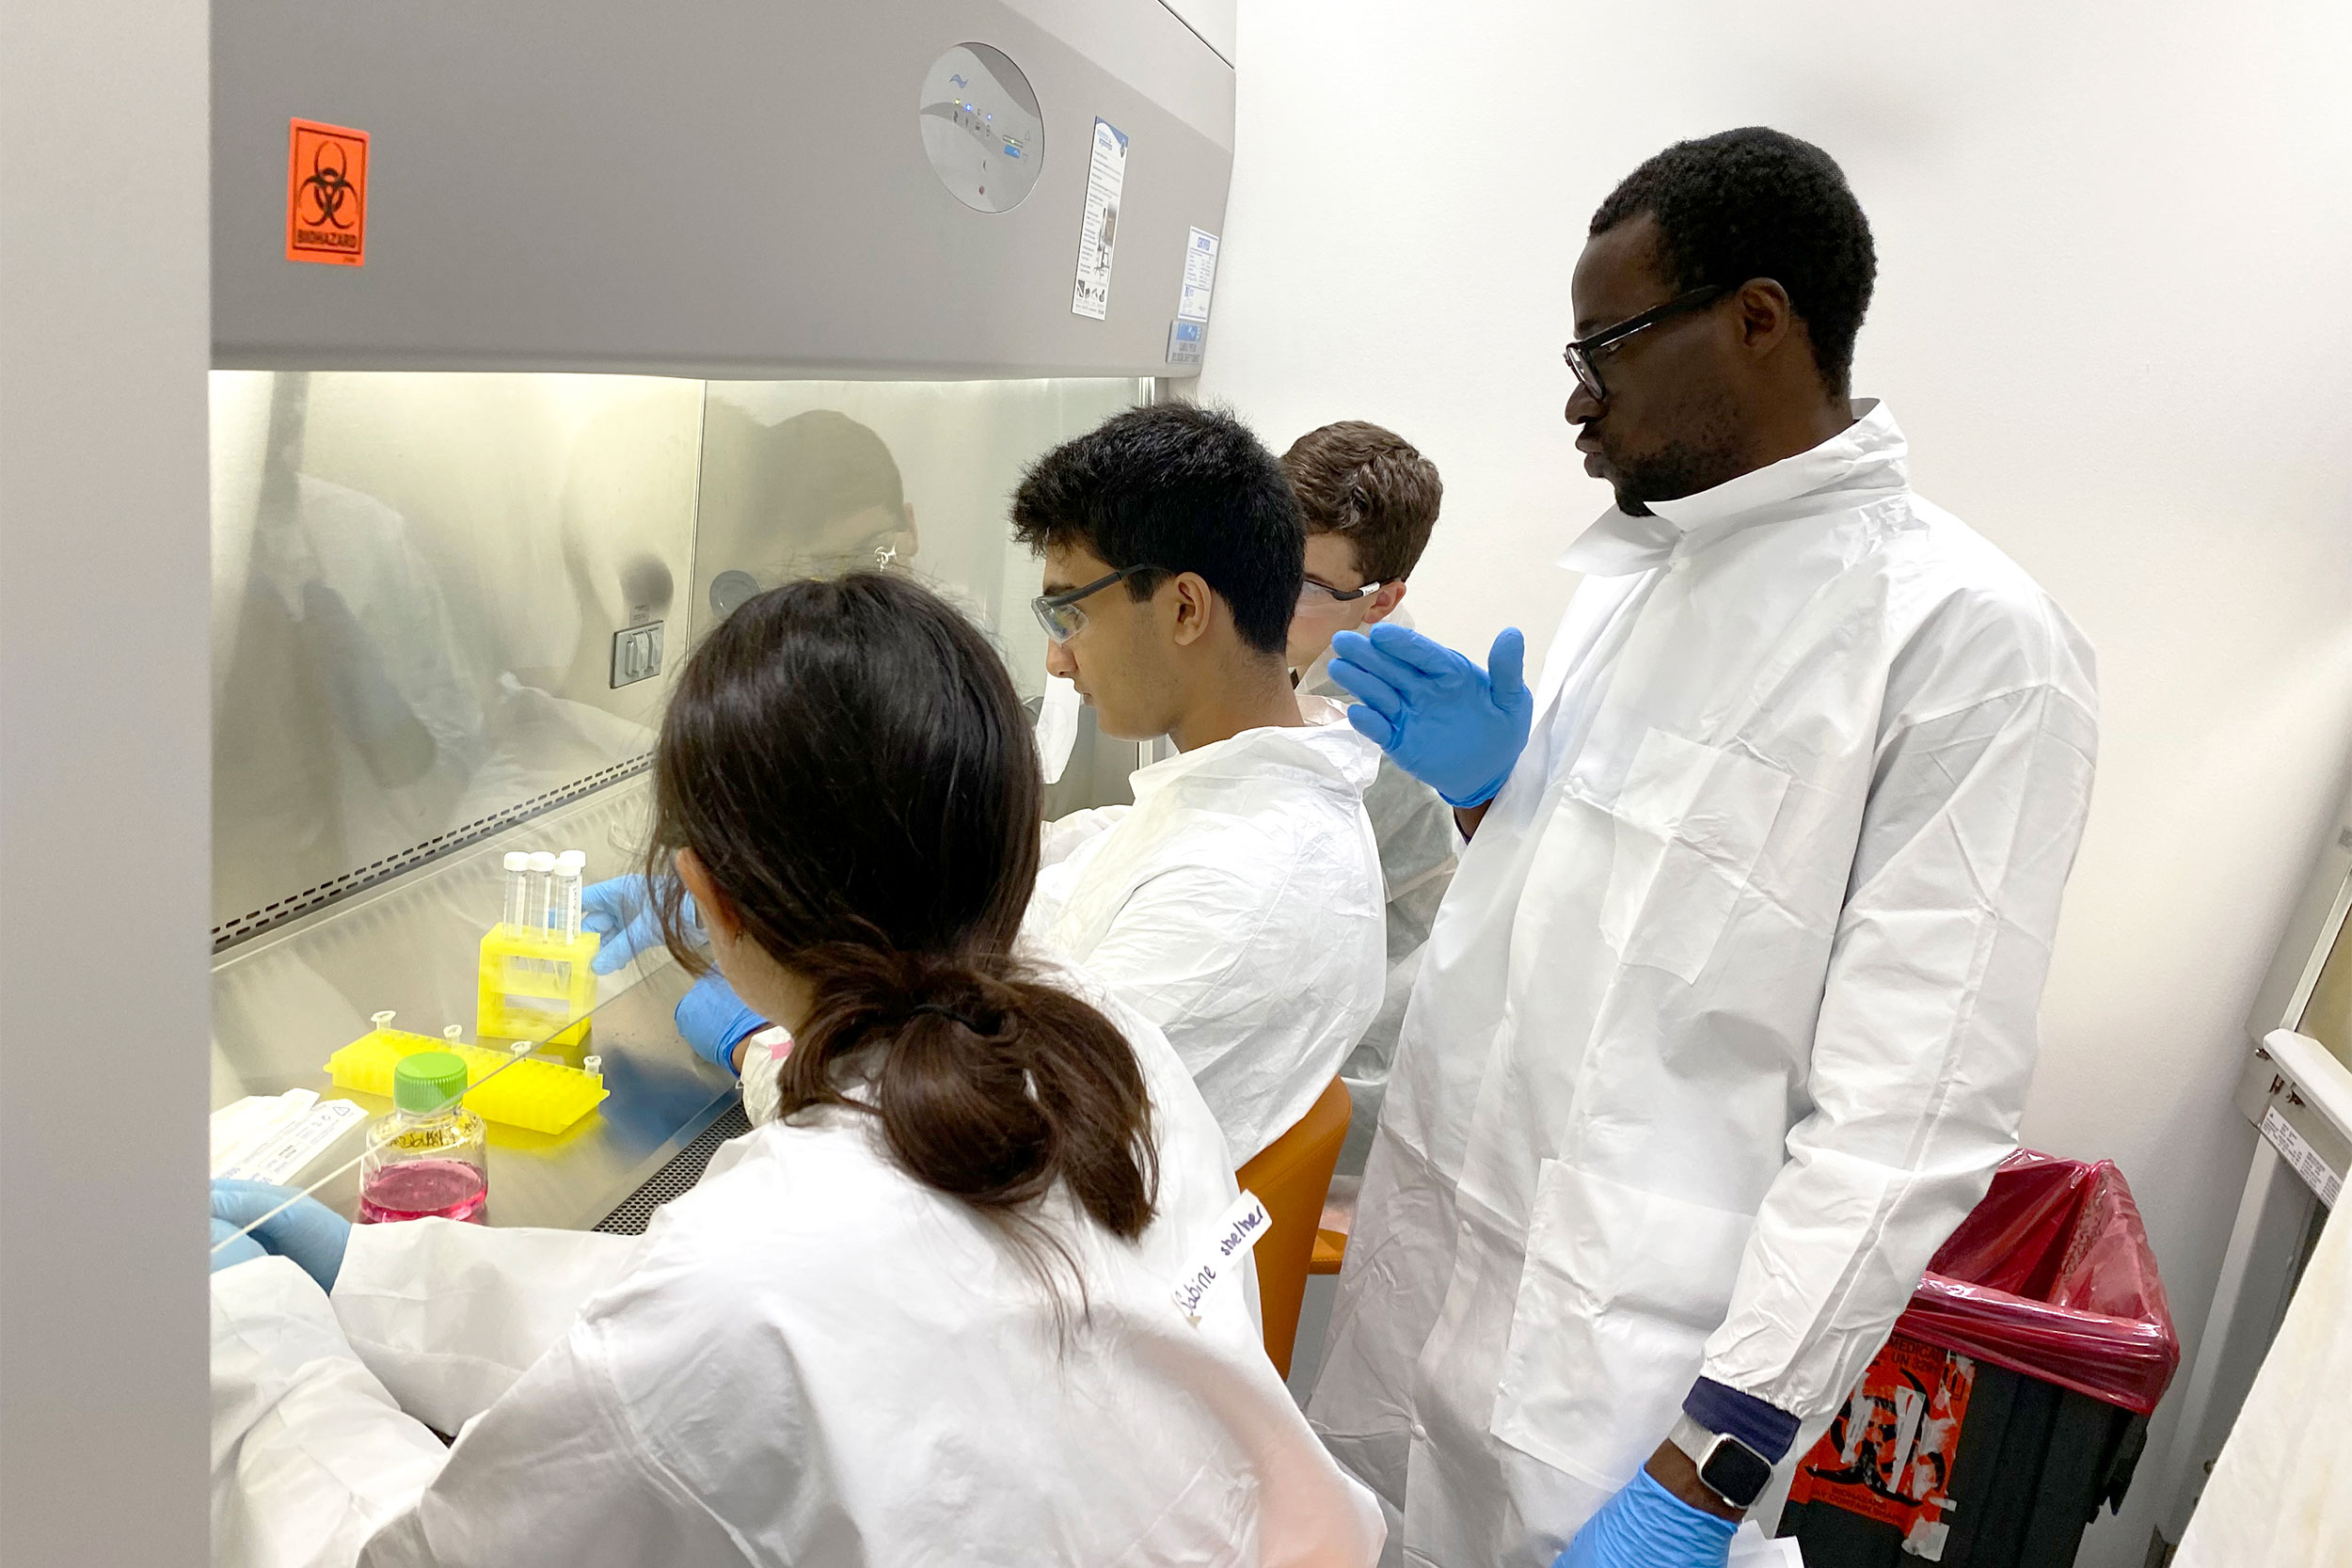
1737 1473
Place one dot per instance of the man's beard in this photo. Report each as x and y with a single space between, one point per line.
1707 457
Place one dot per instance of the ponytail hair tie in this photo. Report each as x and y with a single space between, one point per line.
940 1011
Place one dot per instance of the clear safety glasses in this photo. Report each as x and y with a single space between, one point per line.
1585 353
1059 614
1315 596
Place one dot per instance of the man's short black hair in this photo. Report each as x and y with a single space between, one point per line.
1185 489
1760 203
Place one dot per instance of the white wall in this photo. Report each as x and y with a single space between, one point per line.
2115 242
104 333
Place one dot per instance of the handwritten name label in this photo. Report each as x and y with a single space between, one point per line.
1238 1231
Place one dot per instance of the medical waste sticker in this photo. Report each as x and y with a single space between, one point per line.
1888 1455
327 194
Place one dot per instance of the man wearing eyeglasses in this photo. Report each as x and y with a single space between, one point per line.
1730 1009
1370 501
1237 903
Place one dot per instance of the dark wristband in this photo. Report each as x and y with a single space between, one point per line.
1718 1407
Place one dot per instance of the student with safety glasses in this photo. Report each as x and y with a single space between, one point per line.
1369 500
1238 902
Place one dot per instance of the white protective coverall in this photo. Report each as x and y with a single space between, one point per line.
810 1360
1237 904
1418 847
1730 1010
2281 1491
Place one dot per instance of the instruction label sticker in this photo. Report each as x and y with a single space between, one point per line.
1106 175
2302 1156
1199 277
327 194
1238 1231
1184 341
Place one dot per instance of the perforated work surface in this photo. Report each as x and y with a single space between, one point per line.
678 1176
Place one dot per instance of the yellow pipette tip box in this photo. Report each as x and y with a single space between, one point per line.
542 1096
534 987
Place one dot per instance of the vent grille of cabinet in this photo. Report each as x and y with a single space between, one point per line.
231 932
678 1176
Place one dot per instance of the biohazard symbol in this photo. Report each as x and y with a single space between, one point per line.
326 188
327 194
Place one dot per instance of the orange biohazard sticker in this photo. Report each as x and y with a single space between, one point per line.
327 194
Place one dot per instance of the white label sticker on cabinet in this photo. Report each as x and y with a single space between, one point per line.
1183 342
2302 1156
1199 277
1105 176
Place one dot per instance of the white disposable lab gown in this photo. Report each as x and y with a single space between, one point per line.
1418 847
1730 1010
810 1360
1237 905
2281 1491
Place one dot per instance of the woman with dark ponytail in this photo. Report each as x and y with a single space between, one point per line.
928 1315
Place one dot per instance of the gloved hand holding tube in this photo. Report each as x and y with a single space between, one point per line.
713 1020
1456 727
1644 1525
621 910
303 1229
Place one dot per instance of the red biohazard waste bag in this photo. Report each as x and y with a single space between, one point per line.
2051 1276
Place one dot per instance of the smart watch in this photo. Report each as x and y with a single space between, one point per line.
1730 1469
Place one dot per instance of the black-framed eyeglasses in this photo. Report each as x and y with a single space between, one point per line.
1580 354
1059 614
1313 595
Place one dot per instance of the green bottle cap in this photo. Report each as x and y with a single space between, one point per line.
428 1081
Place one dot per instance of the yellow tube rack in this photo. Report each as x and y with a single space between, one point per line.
542 1096
534 987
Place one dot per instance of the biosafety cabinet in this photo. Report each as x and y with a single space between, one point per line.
2296 1087
545 335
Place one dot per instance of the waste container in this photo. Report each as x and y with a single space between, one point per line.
2013 1397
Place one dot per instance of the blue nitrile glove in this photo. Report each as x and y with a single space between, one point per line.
309 1232
713 1020
241 1249
1456 727
1644 1525
621 910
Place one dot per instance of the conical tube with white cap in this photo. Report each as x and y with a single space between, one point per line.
563 913
541 887
517 888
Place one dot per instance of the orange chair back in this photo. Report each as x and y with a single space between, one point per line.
1292 1176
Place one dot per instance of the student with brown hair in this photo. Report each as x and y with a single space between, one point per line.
1370 500
928 1315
